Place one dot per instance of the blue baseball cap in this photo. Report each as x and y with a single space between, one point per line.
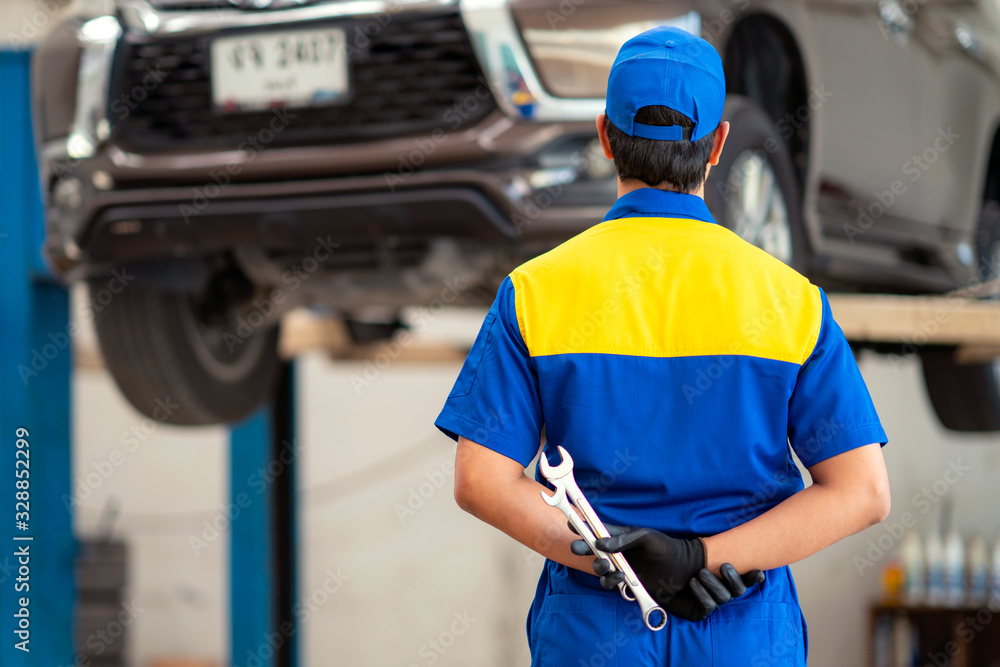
669 67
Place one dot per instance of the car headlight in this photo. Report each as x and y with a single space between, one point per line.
101 30
573 45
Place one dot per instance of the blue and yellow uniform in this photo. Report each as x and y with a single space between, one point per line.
676 363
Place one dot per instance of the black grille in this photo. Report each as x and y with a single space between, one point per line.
416 75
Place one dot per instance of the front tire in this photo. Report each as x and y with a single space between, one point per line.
753 190
179 363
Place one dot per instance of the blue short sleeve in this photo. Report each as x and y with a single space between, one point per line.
495 400
831 411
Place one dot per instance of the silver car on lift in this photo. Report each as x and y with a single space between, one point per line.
236 158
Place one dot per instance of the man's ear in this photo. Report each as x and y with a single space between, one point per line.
602 133
720 139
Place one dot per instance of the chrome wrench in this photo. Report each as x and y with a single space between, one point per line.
560 500
561 477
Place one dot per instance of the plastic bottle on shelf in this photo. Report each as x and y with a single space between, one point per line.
914 573
994 588
893 581
934 552
902 641
882 642
954 569
977 569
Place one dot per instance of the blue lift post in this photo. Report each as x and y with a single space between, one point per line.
263 553
35 364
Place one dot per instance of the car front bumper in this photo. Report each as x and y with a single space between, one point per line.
517 177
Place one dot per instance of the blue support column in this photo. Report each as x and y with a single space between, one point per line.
263 554
35 366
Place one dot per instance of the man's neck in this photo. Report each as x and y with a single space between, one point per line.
631 185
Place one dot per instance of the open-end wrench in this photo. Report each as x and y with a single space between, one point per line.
561 477
560 500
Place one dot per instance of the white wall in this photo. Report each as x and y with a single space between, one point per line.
164 489
414 559
22 21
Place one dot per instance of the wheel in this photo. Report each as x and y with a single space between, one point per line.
185 359
966 397
753 190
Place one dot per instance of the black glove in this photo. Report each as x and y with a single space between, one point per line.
663 564
707 592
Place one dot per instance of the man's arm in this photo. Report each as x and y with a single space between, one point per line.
494 488
850 492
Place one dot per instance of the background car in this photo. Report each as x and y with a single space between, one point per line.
235 160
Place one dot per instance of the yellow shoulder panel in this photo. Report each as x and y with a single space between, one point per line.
658 287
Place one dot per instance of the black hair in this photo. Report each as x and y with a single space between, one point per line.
667 165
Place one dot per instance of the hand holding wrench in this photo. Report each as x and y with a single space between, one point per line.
561 477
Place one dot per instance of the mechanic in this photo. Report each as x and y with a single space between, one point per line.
680 366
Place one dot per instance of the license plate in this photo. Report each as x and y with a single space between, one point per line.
290 69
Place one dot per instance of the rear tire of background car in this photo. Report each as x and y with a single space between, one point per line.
966 397
753 190
174 367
